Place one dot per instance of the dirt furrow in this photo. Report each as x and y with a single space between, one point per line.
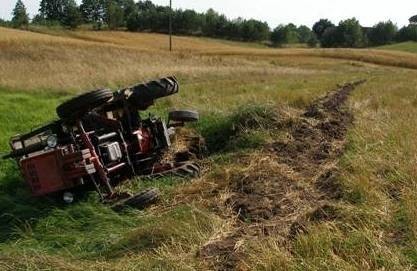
290 184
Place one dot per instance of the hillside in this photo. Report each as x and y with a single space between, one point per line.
51 60
293 179
409 46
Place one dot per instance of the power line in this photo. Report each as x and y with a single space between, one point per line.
170 25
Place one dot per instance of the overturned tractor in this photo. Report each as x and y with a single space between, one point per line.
100 140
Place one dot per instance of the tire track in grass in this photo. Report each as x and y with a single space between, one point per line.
290 184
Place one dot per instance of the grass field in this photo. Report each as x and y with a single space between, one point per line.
374 226
410 46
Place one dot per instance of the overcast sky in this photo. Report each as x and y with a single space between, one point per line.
277 12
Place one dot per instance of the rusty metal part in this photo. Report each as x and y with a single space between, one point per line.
56 170
95 159
185 169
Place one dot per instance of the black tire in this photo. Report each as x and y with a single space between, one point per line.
83 103
143 94
139 201
183 116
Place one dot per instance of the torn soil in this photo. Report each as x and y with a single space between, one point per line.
283 188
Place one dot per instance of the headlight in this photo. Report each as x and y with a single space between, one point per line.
52 141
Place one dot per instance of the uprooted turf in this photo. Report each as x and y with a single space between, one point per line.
279 190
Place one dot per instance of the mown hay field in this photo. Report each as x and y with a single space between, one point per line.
373 223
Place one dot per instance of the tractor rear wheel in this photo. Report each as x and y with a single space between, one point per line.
83 103
144 94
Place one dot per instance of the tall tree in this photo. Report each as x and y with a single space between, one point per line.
331 37
211 23
39 19
113 15
320 27
71 14
20 16
253 30
304 34
352 33
52 10
313 41
382 33
407 33
93 12
413 19
285 34
129 7
187 21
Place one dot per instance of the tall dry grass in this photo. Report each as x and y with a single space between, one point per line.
66 60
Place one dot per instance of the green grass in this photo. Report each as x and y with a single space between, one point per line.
87 229
409 46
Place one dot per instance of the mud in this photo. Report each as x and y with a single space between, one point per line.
290 184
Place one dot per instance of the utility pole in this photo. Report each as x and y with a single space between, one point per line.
170 25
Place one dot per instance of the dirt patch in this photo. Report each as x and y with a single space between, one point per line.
223 254
290 183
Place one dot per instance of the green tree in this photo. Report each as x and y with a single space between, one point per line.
304 34
253 30
382 33
211 23
71 14
284 34
331 38
39 19
129 7
352 34
132 21
146 5
233 29
93 12
313 41
347 34
20 16
114 15
320 27
149 17
187 21
52 10
407 33
413 19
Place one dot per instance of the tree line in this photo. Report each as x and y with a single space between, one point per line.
146 16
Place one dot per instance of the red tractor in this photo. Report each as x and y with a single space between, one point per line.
100 140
